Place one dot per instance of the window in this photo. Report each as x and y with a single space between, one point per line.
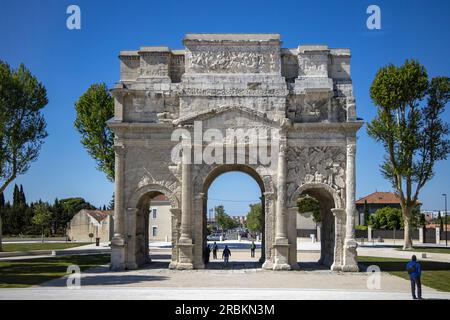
153 213
154 231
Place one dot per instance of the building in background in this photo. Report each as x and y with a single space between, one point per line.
100 223
160 220
87 225
375 201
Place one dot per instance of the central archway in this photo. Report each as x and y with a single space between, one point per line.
251 173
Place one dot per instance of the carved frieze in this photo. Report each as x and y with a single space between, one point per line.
323 164
233 59
233 92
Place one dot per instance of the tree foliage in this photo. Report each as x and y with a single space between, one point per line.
22 125
224 221
410 128
94 108
387 218
309 204
18 217
255 218
42 217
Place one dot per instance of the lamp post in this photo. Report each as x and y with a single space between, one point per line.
445 197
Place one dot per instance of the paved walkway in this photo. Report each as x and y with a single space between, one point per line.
199 293
241 279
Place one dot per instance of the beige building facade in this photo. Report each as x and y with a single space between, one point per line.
301 98
160 227
95 223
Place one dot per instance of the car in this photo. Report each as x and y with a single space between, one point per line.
215 237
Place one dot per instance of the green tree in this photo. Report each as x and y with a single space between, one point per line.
309 204
42 217
224 221
22 126
67 208
387 218
410 129
94 108
255 219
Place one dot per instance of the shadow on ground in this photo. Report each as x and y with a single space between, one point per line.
233 265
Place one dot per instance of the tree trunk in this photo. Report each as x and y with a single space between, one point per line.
407 227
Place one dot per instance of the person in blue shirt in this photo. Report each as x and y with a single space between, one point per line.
415 271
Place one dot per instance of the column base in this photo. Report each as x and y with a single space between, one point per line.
267 265
350 263
336 267
185 266
281 249
117 254
186 256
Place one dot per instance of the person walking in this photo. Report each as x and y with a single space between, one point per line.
207 254
214 250
252 249
226 254
415 271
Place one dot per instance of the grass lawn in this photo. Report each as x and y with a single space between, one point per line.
28 272
434 274
429 249
8 247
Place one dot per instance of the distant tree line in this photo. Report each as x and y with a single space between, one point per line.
36 218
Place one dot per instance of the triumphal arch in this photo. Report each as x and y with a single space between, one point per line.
234 102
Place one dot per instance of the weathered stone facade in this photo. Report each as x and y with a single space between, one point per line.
239 81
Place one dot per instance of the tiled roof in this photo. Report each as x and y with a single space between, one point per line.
99 215
380 198
160 197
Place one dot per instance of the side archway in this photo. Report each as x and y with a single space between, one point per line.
137 222
329 199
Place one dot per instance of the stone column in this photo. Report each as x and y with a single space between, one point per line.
292 237
319 231
438 235
350 263
420 235
369 233
339 235
185 260
175 214
118 243
199 224
268 232
281 242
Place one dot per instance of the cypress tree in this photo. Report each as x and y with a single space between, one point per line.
16 196
22 198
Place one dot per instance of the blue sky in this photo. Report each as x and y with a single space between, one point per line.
67 62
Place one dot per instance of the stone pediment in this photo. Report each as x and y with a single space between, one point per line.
229 117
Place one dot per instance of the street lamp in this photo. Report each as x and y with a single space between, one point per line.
445 197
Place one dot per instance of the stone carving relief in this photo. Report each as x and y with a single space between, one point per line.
316 165
313 66
210 61
309 107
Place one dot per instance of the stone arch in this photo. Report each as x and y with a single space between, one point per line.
224 168
328 199
316 186
152 188
138 222
265 184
